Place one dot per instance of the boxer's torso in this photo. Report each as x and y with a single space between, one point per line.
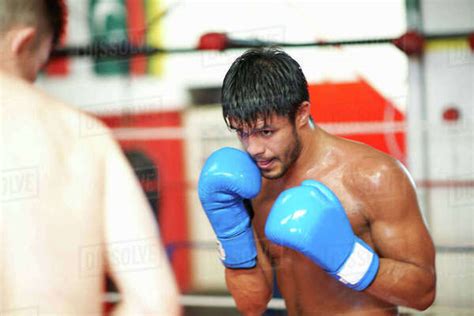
306 288
51 217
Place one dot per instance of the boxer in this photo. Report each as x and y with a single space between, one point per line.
336 221
71 207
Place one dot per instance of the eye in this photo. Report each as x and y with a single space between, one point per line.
241 134
266 133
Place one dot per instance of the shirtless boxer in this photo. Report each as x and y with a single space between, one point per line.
71 208
337 220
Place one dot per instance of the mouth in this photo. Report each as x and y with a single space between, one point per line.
265 164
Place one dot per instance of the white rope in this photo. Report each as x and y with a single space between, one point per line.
144 133
340 128
212 301
205 301
364 128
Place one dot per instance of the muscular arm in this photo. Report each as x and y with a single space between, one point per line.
406 273
135 257
251 288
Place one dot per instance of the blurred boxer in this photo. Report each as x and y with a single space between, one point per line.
337 220
71 207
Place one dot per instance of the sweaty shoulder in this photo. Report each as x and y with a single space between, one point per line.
376 176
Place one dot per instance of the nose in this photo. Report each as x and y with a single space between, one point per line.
254 146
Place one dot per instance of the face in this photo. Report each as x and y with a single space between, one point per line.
274 144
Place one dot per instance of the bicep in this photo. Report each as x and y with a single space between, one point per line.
397 227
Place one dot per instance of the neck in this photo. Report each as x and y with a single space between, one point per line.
312 140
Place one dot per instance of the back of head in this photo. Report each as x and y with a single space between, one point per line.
47 16
263 82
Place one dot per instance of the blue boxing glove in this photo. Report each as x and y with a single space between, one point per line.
228 177
311 220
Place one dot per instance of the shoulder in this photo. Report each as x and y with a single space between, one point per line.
75 125
80 132
368 167
379 178
61 124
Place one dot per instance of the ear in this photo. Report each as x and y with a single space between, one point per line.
22 39
303 114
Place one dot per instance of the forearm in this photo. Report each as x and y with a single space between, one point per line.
405 284
250 288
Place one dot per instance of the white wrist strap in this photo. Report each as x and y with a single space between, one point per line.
356 266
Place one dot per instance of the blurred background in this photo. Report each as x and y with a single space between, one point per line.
410 94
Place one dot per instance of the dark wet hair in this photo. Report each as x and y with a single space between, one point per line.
263 82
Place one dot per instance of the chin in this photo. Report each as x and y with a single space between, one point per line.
272 175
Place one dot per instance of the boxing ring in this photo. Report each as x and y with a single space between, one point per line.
227 303
435 139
